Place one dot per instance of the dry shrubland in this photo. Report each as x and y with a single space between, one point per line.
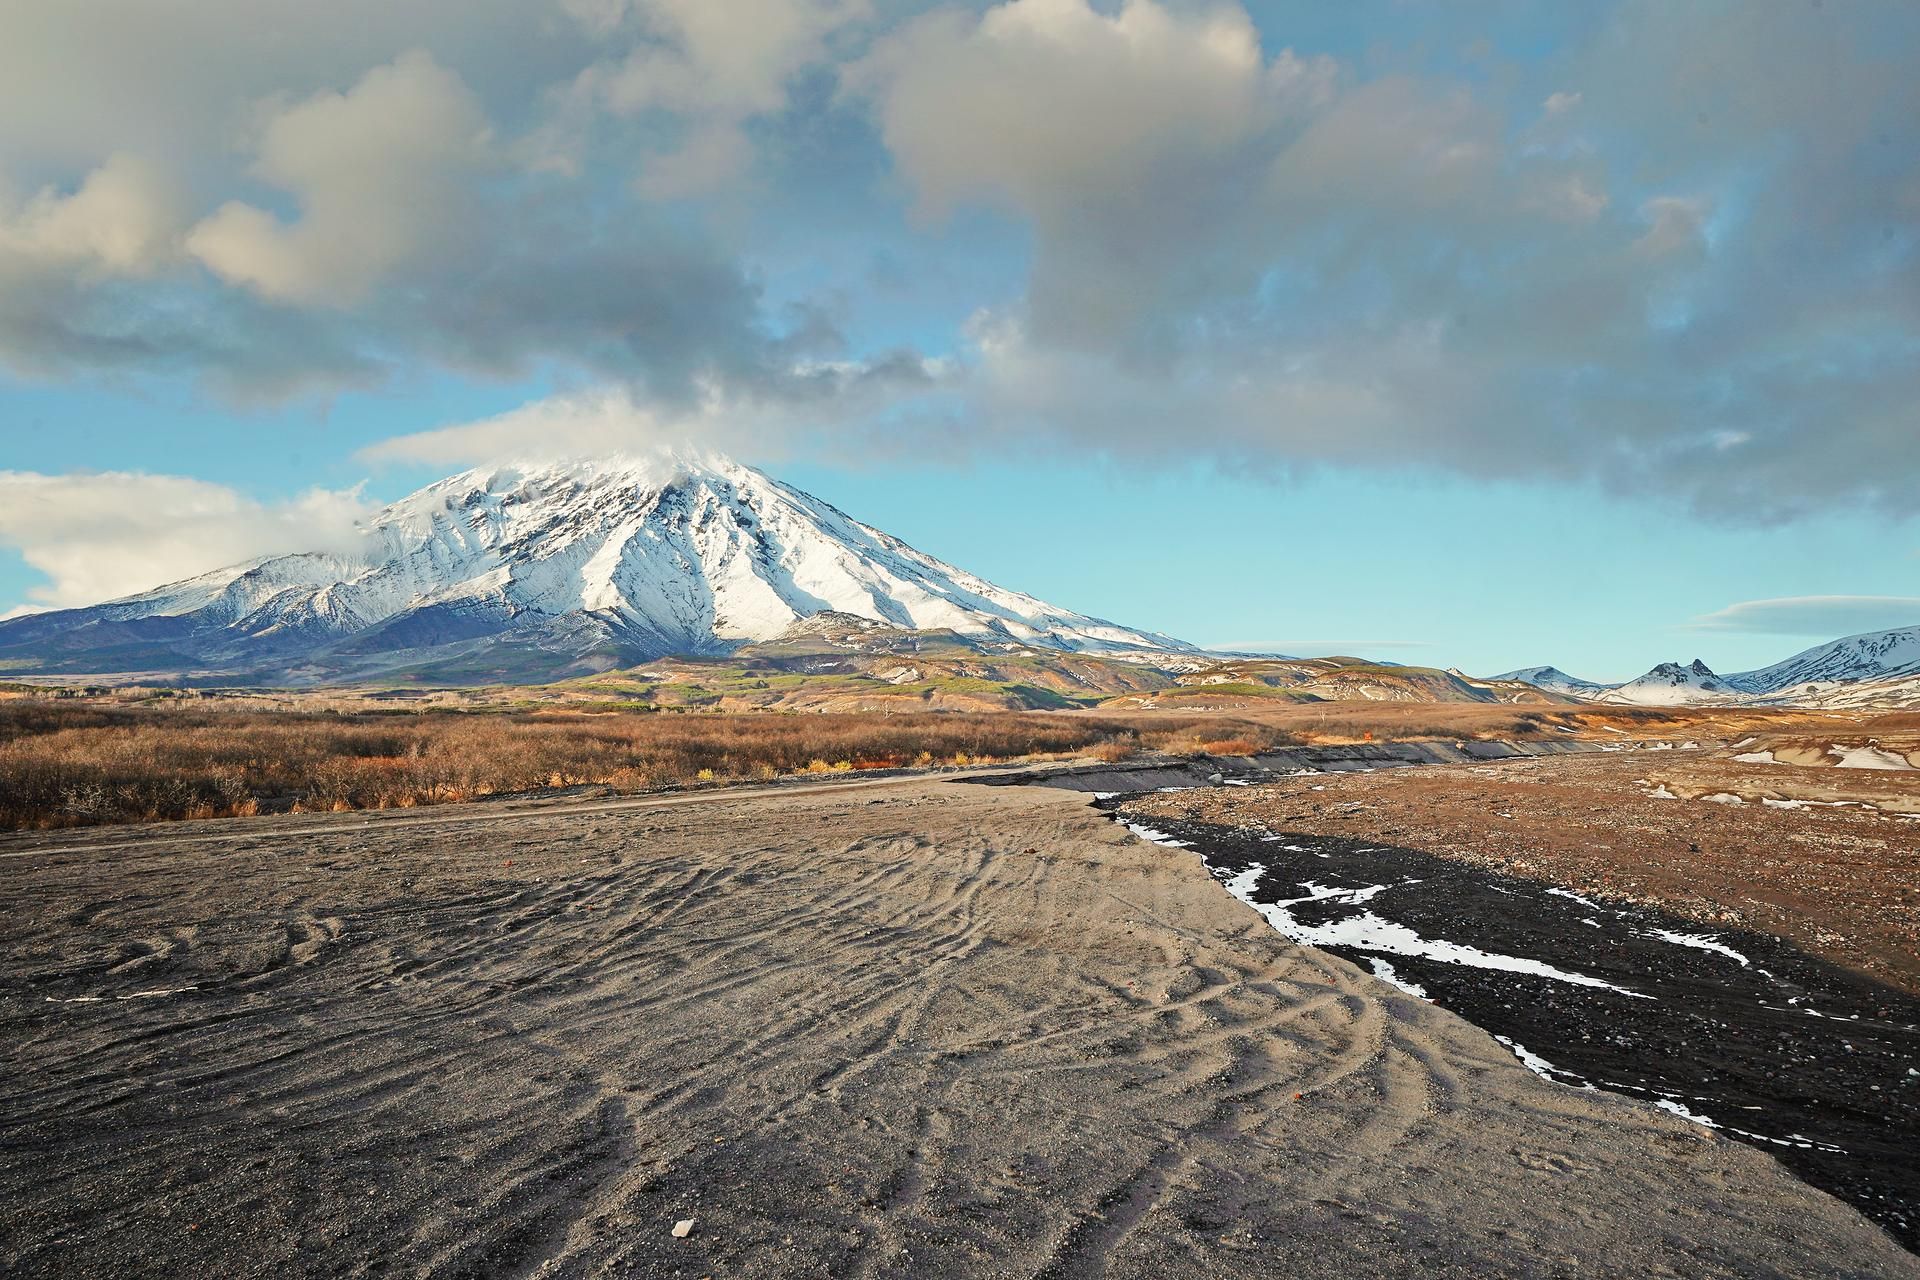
80 761
74 764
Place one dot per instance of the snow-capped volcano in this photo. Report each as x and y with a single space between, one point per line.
520 571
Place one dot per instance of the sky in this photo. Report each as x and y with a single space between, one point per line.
1473 334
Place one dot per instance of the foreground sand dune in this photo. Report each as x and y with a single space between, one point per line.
914 1028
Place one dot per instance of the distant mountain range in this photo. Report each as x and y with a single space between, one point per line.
525 573
1874 669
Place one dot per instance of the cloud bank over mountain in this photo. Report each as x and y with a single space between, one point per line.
1668 250
110 534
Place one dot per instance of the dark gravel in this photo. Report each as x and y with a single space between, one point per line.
1811 1062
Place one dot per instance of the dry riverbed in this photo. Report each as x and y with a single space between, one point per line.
1733 939
913 1028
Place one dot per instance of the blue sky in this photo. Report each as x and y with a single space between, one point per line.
1476 335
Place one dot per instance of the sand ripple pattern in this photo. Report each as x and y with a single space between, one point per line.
917 1030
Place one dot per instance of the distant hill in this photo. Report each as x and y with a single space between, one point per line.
1873 669
1250 681
1672 685
1554 680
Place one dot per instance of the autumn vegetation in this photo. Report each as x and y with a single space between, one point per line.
132 755
73 764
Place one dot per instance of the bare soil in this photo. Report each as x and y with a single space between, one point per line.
887 1028
1840 882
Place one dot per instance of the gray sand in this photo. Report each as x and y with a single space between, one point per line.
911 1028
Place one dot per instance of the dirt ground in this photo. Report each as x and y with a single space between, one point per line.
909 1028
1840 882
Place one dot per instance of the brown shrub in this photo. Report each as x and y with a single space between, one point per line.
79 764
75 763
1232 747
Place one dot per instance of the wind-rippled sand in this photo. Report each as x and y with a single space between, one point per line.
909 1028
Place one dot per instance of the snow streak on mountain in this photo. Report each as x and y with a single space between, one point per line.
1554 680
524 572
1874 668
1875 655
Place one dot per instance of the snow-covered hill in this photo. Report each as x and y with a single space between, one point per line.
1874 655
1554 680
1874 669
1673 685
523 572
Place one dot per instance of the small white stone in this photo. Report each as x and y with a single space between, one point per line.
683 1228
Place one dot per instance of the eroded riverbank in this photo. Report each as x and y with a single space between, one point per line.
1811 1060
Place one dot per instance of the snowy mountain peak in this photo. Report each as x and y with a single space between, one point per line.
1671 684
1554 680
1876 668
1872 655
522 570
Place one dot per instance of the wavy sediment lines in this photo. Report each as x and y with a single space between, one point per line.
931 1031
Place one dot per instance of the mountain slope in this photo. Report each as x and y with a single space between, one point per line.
1554 680
528 572
1873 669
1672 685
1872 655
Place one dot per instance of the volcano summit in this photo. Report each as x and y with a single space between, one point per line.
531 572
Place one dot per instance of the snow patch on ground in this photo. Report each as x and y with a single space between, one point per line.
1698 941
1385 972
1668 1104
1368 932
131 995
1158 837
1868 757
1539 1065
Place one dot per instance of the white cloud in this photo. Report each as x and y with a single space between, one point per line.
104 535
401 234
1685 226
821 407
379 172
1044 105
601 420
1136 143
713 66
1395 150
1823 616
125 218
733 59
1281 261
